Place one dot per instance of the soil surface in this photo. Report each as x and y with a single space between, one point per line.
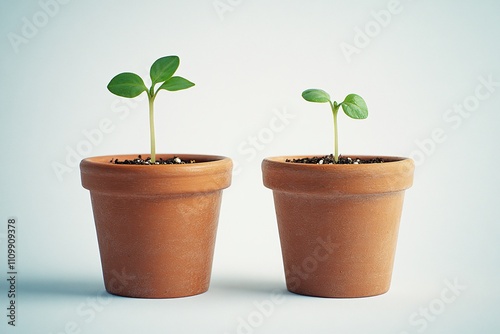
160 161
329 160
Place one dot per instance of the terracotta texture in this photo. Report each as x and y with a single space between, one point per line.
338 224
156 225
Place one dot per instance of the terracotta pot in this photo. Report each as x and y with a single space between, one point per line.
156 225
338 224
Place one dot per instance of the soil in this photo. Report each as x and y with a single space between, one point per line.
329 160
140 161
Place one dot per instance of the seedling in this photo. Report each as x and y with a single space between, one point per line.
131 85
353 105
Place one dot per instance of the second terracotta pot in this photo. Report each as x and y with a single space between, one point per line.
156 225
338 224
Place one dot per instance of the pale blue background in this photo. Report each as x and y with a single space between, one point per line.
251 60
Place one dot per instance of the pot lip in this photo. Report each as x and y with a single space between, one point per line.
387 160
395 174
202 159
212 172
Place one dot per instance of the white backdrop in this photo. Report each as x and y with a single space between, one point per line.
428 70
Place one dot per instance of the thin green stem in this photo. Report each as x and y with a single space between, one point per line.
335 110
152 128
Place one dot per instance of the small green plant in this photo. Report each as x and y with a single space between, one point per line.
353 105
131 85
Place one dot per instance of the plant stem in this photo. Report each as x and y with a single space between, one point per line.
152 128
335 110
336 135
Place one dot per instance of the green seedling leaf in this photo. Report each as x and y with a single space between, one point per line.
316 95
355 107
127 85
176 83
163 69
131 85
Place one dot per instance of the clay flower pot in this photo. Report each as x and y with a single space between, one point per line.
156 225
338 224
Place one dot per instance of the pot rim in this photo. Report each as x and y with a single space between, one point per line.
202 158
396 174
387 159
211 173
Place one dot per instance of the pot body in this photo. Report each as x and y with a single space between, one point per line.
156 225
338 224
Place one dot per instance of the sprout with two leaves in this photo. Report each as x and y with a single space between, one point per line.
353 105
131 85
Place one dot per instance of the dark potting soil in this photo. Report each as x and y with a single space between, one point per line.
160 161
329 160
